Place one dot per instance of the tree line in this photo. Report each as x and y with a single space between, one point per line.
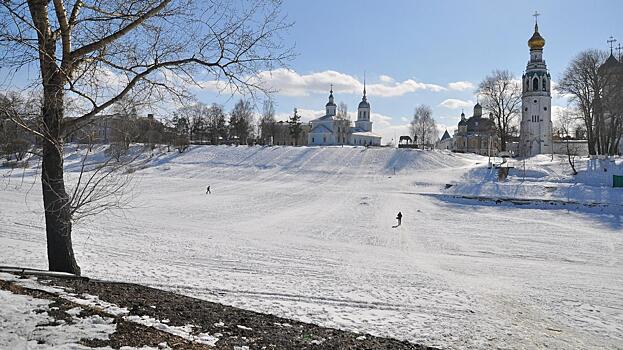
197 123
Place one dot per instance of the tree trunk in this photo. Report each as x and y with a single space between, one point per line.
57 211
55 199
503 142
56 202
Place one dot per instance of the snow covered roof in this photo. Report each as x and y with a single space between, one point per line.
319 129
366 133
324 118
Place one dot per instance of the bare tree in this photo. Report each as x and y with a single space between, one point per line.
423 127
241 121
267 122
196 116
342 111
567 122
216 124
342 123
501 95
181 127
101 51
101 186
583 83
14 141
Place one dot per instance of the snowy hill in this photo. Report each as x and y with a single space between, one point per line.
306 233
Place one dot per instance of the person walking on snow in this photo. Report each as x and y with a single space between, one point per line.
399 218
208 190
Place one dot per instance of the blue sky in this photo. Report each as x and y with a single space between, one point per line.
429 42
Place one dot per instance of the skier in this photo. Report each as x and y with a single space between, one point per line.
399 218
208 190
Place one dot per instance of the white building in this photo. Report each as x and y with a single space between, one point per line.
329 130
536 102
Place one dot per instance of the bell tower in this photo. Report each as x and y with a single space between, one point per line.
363 112
536 100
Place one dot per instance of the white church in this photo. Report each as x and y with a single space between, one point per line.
330 130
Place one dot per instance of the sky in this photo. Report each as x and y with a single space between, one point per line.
426 52
421 52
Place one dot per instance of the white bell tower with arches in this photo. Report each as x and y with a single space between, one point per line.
536 101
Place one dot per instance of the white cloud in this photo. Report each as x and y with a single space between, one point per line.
558 94
386 79
558 111
306 114
461 85
290 83
454 103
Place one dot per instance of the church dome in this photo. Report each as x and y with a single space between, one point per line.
477 110
364 104
331 103
610 63
536 41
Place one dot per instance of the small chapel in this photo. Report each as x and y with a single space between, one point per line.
331 130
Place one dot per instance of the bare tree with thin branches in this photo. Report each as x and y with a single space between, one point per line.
423 127
342 123
584 85
501 95
267 127
99 52
565 124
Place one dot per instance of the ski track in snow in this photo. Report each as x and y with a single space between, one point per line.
305 233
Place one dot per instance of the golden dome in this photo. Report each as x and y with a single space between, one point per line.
536 41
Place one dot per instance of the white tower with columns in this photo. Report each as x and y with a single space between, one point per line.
536 101
363 112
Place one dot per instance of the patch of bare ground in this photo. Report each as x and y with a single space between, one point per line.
235 328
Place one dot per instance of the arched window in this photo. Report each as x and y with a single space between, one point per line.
535 84
544 84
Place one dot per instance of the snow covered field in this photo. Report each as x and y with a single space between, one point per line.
306 233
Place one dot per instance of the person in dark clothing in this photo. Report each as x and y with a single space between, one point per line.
208 190
399 218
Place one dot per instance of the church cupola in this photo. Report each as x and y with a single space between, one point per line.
331 106
536 42
478 110
364 100
462 123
